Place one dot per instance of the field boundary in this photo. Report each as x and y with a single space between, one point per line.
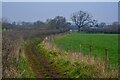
50 41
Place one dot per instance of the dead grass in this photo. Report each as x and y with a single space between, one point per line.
72 57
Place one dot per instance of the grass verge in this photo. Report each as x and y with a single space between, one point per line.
76 68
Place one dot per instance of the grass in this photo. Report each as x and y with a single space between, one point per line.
99 43
64 63
63 66
28 73
23 65
74 68
35 61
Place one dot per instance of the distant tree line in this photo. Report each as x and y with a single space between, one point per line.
58 22
81 21
113 28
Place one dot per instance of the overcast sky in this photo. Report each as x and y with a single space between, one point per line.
32 11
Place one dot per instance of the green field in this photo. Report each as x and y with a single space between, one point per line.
99 42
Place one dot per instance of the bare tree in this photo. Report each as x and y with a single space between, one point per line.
81 19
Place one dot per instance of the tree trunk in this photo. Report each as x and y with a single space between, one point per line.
79 29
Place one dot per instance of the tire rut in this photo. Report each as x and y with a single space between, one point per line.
32 60
46 70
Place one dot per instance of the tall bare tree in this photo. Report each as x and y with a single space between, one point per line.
81 19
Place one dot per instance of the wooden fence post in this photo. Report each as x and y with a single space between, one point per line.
80 48
90 50
50 38
106 52
53 38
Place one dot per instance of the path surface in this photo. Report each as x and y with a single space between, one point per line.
40 65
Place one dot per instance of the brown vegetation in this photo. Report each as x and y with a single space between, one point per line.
11 43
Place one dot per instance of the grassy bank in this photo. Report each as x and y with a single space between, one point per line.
73 67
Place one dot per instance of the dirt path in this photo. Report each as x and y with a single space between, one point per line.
32 60
40 65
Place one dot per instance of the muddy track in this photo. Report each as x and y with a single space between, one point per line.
40 65
32 61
